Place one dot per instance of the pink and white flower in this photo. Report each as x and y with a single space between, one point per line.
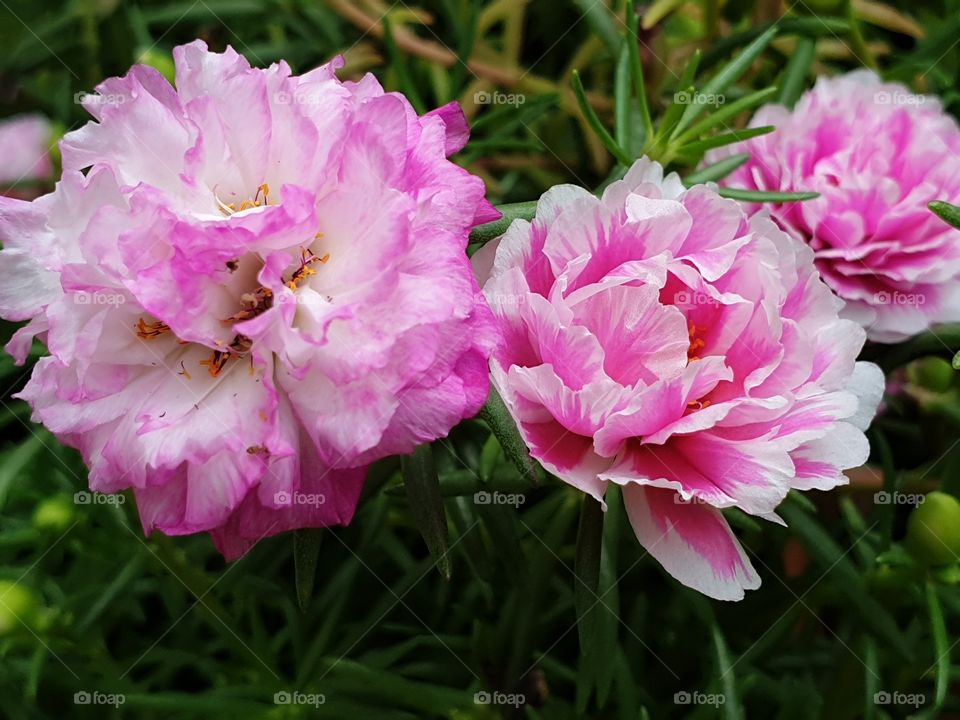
658 339
877 154
251 286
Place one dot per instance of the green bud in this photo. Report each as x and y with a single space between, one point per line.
932 373
933 530
17 604
948 574
54 514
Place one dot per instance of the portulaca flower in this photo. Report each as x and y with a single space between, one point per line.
251 285
658 339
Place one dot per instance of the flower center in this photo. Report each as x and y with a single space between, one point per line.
229 209
696 344
253 303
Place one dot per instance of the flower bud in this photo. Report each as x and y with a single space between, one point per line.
932 373
933 530
17 604
54 514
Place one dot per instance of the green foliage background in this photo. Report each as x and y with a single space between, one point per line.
88 605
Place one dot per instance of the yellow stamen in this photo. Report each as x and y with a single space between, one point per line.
216 363
148 331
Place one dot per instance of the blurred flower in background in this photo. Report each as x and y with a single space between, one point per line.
24 154
877 153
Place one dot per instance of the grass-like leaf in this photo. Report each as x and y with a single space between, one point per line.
595 124
949 213
843 574
764 196
696 149
794 79
426 504
718 170
727 76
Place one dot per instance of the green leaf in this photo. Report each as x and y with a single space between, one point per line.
795 75
596 600
941 646
497 416
949 213
17 460
728 680
306 550
727 112
764 196
515 211
885 511
696 149
871 677
602 22
717 171
426 504
398 63
623 102
594 122
817 27
727 76
636 71
837 565
676 110
658 11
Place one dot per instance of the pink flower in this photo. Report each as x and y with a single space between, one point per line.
658 339
251 286
24 150
877 154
